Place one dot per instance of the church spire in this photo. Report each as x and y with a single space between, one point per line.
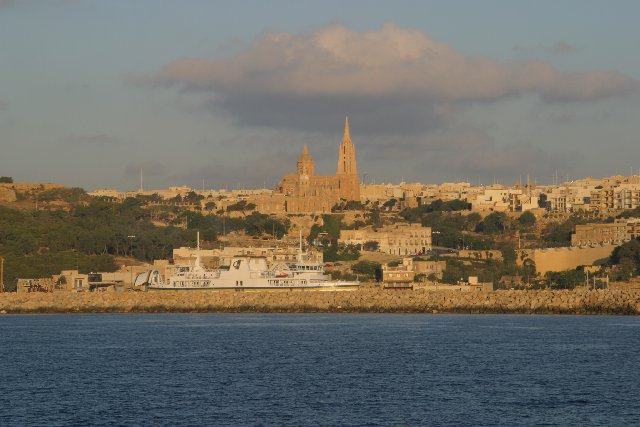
347 134
347 153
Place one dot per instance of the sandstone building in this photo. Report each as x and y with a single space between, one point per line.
621 230
410 268
306 192
397 239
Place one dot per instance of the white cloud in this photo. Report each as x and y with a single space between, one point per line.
284 77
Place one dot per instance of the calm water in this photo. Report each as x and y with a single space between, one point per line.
319 370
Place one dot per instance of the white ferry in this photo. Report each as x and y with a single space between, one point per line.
244 272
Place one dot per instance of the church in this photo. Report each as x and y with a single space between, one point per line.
306 192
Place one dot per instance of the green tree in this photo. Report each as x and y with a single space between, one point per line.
565 279
389 203
335 252
371 246
192 198
527 220
627 258
241 206
493 223
369 269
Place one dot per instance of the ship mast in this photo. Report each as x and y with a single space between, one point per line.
300 246
198 251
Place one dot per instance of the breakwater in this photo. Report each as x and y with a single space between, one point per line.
611 301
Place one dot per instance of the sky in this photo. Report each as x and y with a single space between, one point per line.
225 94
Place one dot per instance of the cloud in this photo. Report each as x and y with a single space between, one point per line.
559 48
468 153
92 140
394 79
562 48
264 169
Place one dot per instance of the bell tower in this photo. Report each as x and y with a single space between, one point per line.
305 163
347 154
347 172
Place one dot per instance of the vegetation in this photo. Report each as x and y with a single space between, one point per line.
494 223
192 198
351 205
255 224
416 214
367 270
370 246
339 275
565 279
69 195
332 224
626 258
630 213
527 220
336 252
91 234
489 270
241 206
42 243
389 203
6 180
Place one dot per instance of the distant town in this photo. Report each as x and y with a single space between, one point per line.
580 233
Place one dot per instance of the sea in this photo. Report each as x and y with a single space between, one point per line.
319 370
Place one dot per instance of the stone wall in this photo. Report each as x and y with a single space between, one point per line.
568 258
369 300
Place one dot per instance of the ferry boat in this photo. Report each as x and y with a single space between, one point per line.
244 272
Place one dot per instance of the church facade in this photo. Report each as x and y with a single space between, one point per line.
306 192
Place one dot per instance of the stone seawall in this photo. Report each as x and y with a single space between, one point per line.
613 301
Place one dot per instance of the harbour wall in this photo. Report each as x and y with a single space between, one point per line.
610 301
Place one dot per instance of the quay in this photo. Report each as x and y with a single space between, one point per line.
365 300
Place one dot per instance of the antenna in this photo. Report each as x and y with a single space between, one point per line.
141 187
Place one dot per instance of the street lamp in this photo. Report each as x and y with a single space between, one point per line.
437 233
131 255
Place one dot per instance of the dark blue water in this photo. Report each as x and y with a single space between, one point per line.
382 370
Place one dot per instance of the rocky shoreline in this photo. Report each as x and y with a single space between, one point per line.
582 301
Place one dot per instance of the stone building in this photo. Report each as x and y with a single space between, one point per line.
619 231
410 268
396 239
306 192
74 281
565 258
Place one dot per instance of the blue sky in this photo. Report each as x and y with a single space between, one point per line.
228 92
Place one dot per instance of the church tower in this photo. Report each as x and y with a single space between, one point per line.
305 163
347 154
347 173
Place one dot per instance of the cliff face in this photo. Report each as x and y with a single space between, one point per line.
610 301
